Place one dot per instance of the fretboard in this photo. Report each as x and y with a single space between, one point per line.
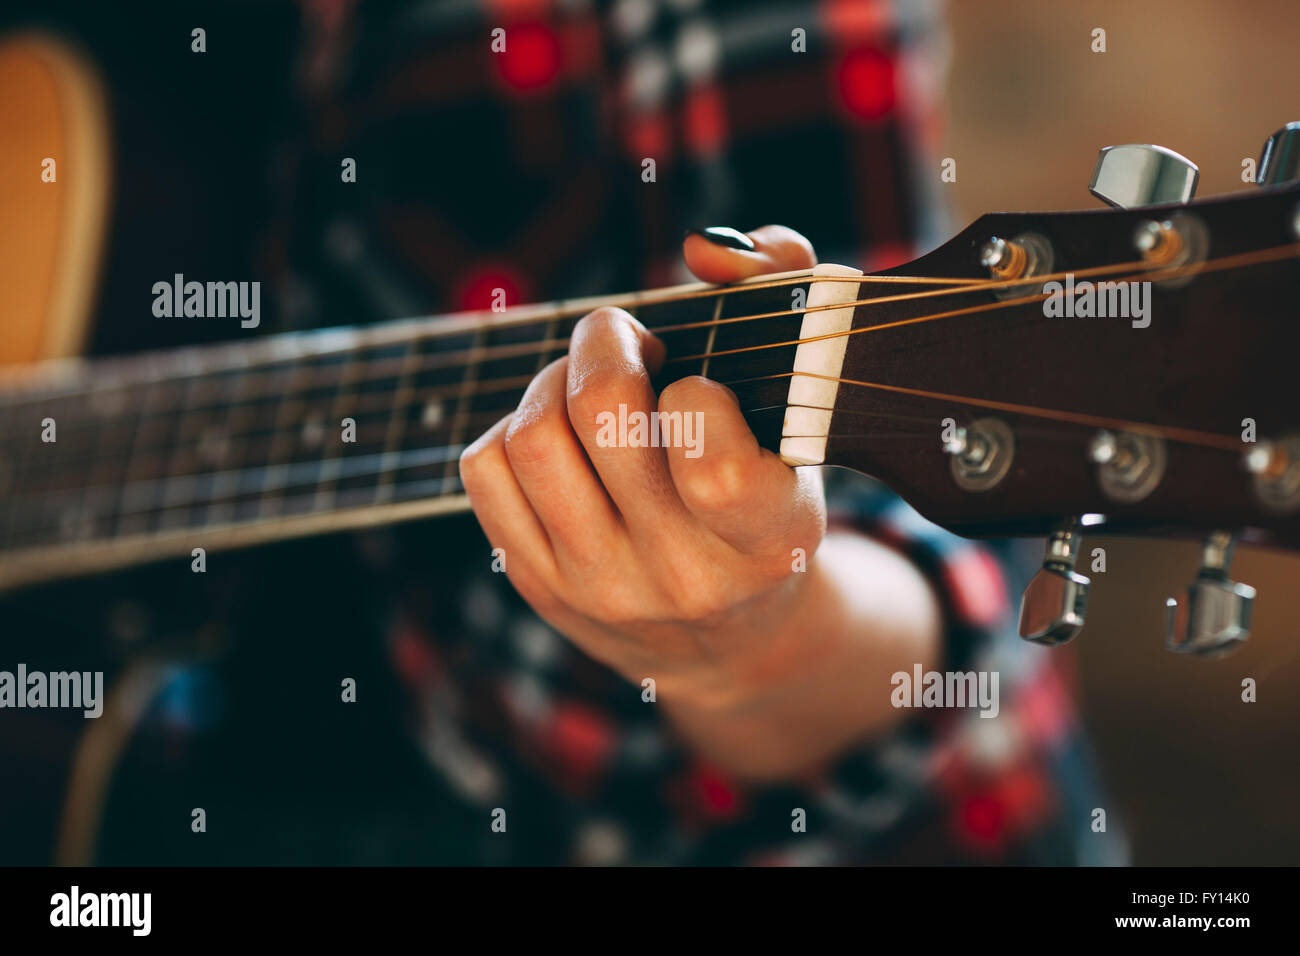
112 462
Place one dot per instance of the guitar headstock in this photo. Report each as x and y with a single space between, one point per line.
1128 369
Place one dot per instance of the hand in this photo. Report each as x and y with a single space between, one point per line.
661 565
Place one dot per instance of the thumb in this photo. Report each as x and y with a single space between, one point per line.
721 254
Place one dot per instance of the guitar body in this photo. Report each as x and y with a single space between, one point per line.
55 175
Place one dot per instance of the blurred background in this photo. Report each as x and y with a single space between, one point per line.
1199 776
1196 775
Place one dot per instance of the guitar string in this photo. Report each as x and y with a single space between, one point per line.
378 372
415 457
294 476
444 328
430 393
1241 260
1187 436
1214 441
1177 434
358 465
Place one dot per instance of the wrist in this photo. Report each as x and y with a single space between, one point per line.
819 680
768 642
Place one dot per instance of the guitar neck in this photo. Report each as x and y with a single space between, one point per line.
119 461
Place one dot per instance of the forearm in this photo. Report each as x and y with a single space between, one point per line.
818 679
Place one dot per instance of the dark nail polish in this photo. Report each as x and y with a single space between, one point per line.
724 236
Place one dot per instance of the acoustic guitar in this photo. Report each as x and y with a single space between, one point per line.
1128 368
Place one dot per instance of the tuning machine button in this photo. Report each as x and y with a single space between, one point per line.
1279 160
1275 470
1214 617
1054 604
1142 175
981 453
1023 257
1130 465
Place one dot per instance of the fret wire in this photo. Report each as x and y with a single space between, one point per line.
470 379
119 508
329 467
713 334
218 510
393 440
552 326
178 444
107 471
279 439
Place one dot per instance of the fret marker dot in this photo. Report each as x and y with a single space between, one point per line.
431 417
313 432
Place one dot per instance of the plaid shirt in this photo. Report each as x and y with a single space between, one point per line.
523 169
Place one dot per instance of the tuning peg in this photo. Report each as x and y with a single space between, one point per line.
1053 607
1279 161
1215 616
1142 175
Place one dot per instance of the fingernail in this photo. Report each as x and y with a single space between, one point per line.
724 236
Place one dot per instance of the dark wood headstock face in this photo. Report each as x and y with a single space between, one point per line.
1222 346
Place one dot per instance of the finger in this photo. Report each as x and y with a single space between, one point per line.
611 405
505 514
554 473
743 493
776 249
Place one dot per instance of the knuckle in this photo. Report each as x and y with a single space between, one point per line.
599 390
715 485
476 462
530 440
606 320
683 393
701 609
615 605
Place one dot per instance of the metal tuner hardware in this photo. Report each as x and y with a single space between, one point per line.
1214 617
1136 175
1055 602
